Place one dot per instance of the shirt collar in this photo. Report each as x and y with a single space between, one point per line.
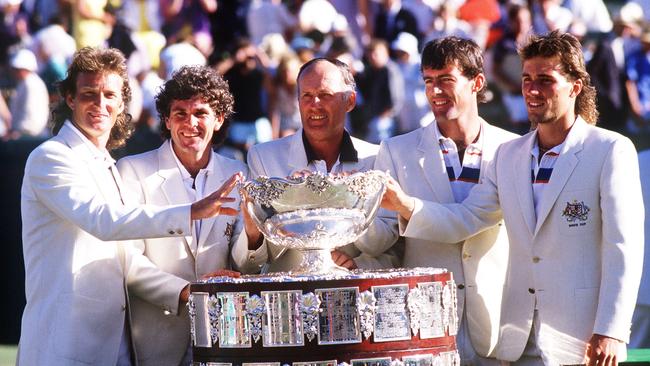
555 151
447 142
347 152
96 153
184 173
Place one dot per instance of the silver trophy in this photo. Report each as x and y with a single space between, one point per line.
314 214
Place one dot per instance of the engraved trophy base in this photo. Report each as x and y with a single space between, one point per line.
317 262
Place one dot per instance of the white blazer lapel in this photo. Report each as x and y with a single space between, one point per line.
172 186
432 162
523 182
297 157
100 171
562 170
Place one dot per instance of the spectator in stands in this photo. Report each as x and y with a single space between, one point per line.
393 19
381 86
267 17
283 101
248 81
638 84
91 22
506 67
30 104
446 23
549 15
188 20
415 111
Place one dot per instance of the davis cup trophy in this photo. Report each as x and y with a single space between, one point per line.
320 314
314 214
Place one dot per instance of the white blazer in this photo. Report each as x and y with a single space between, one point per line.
579 263
282 157
479 263
74 276
162 267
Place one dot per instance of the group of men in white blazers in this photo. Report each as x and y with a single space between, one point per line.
543 233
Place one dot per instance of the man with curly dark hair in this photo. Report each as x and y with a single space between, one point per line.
194 106
76 215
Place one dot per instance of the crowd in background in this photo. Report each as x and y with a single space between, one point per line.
259 45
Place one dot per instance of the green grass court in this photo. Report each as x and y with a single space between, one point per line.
635 356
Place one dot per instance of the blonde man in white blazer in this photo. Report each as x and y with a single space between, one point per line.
194 106
570 196
326 93
441 163
73 212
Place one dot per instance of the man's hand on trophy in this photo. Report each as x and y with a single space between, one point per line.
395 199
255 237
185 292
343 260
212 205
300 174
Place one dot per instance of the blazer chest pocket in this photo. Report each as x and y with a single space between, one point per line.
577 212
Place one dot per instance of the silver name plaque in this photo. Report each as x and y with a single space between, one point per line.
233 324
378 361
431 322
338 321
200 325
418 360
282 325
391 316
316 363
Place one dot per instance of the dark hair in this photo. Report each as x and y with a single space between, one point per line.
567 49
464 53
93 61
189 82
346 74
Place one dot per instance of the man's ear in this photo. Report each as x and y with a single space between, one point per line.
220 120
576 88
479 83
69 101
351 100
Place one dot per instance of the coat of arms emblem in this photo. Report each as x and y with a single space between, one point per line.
576 211
230 230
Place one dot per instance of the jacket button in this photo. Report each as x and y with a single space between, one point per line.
531 290
536 259
466 255
171 232
461 286
179 231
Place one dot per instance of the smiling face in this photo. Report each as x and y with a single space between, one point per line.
191 123
96 104
451 95
550 97
324 99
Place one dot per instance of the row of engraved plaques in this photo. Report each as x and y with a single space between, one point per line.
332 316
441 359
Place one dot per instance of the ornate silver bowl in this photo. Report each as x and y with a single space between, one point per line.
315 213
